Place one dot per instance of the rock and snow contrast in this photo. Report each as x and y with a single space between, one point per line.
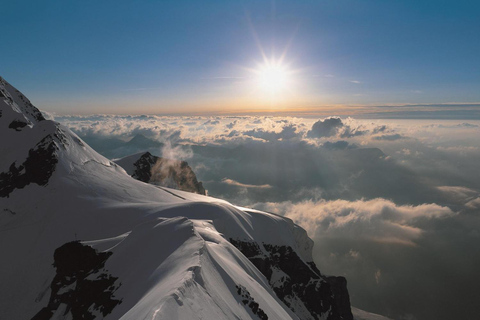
164 172
81 239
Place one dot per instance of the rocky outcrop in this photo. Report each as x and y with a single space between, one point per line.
81 284
338 285
24 128
154 241
249 301
164 172
299 285
37 168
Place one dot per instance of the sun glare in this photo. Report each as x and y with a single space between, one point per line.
272 77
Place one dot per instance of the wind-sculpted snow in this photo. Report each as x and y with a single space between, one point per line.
162 253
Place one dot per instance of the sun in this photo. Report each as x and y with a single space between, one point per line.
272 76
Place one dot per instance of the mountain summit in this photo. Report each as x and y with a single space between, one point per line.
81 239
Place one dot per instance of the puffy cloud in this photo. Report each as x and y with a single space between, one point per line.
347 128
231 124
399 260
325 128
288 132
394 240
376 220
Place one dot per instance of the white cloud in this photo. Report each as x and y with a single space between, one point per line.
398 236
474 204
377 220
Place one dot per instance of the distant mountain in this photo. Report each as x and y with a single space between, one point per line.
140 141
116 148
164 172
81 239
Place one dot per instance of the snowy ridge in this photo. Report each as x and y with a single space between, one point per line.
364 315
147 252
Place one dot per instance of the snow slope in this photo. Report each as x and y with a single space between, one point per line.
359 314
81 239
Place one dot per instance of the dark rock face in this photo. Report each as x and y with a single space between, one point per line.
143 167
83 297
249 301
42 159
298 284
168 173
17 125
338 285
37 168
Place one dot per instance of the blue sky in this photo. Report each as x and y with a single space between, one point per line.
198 56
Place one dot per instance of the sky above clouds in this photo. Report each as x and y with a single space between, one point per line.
393 205
366 133
162 57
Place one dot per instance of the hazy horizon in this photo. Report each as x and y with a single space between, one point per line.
358 120
194 57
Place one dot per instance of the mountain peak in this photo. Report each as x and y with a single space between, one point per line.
139 140
12 99
152 252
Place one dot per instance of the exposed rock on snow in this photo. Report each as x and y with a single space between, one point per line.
169 249
79 284
168 173
298 284
250 302
37 168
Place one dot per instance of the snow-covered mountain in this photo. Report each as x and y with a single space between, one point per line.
81 239
160 171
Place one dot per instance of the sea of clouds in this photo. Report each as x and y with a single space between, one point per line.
393 205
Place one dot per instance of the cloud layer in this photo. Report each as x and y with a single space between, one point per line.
392 205
377 220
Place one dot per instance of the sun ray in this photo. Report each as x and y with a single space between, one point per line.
272 76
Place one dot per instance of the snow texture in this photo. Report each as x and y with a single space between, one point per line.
150 252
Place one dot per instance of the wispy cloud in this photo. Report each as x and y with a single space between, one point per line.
244 185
